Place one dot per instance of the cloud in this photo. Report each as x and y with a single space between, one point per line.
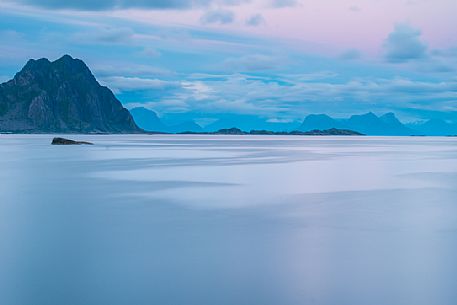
284 3
94 5
442 61
151 52
220 16
446 53
280 120
351 54
255 20
309 77
108 35
404 44
245 94
124 84
130 70
199 90
255 62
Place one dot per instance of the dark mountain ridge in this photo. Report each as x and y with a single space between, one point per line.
61 96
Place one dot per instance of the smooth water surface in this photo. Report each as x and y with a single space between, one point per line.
228 220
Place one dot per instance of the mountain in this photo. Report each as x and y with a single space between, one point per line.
435 127
61 96
147 119
386 125
185 126
319 121
368 124
393 126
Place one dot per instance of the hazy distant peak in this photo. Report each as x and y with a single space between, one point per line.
368 115
390 118
367 123
318 117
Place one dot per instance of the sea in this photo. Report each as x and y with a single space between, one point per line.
228 220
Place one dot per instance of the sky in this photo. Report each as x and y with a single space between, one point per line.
279 60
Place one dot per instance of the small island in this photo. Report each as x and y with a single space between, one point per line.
316 132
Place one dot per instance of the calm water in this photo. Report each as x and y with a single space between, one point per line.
228 220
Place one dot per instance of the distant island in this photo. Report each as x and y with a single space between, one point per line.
367 124
237 131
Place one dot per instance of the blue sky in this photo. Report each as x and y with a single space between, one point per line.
279 60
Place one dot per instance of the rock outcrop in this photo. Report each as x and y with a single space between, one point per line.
63 141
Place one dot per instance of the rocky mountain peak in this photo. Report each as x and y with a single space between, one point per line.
60 96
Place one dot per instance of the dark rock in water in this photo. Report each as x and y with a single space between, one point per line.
63 141
62 96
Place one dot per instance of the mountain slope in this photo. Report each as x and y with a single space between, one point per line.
185 126
61 96
148 120
393 126
435 127
386 125
369 124
319 121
